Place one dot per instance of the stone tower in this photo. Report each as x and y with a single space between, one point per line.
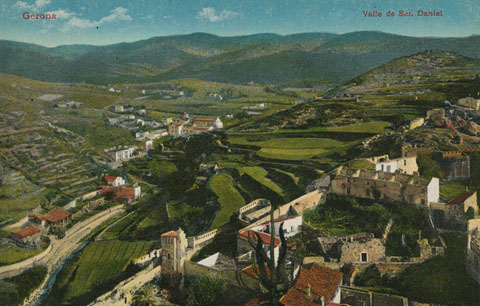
174 251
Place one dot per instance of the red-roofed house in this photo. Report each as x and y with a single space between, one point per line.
114 180
29 236
57 218
244 248
315 285
127 194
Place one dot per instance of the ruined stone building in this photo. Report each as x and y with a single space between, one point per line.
470 103
361 248
384 186
455 166
473 249
453 214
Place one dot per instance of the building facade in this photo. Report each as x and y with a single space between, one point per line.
174 251
384 186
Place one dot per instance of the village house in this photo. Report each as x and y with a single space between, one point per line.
473 249
244 249
184 126
127 194
29 237
384 186
407 165
114 180
470 103
315 285
57 219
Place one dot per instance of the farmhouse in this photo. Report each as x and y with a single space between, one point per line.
28 237
127 194
389 187
120 154
57 218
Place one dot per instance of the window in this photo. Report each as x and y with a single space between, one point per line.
363 257
423 201
404 162
348 190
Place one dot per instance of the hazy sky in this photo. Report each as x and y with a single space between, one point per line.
110 21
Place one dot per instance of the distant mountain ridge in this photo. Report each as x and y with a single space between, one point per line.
261 58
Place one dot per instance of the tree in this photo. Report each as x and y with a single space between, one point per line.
206 291
273 276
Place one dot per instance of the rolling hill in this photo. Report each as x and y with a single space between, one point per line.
262 58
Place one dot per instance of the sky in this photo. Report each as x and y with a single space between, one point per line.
103 22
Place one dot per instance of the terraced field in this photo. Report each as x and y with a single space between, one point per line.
99 264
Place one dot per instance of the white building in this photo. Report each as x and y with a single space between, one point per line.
124 154
218 124
115 181
291 226
119 108
138 191
407 165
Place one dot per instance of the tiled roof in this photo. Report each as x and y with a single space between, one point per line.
461 198
122 193
26 232
109 178
265 237
251 273
204 120
169 234
56 215
323 282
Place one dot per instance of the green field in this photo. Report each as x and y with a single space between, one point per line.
228 196
10 254
14 290
145 223
296 148
97 267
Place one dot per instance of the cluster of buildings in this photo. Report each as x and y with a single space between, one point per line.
118 191
54 221
185 126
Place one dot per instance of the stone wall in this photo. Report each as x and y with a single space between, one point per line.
234 277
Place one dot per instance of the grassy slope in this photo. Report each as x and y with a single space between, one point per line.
228 196
10 254
99 263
